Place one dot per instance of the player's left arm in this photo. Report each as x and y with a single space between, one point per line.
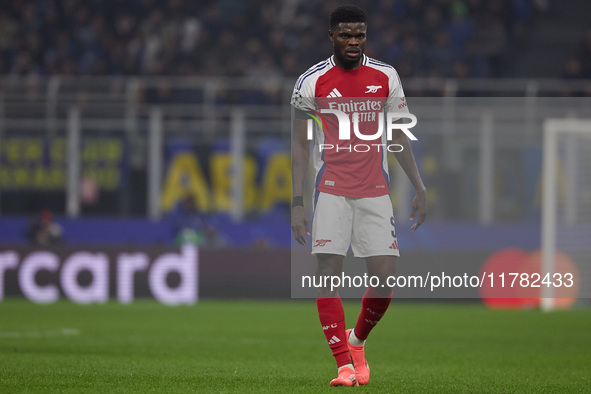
406 159
397 103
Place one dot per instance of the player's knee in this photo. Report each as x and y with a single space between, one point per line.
329 265
328 270
328 274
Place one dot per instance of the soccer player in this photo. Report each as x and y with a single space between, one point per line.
352 206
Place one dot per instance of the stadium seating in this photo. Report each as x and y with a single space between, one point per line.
422 38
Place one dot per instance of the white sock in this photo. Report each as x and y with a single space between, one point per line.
353 340
347 366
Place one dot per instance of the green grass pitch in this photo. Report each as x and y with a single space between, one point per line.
278 347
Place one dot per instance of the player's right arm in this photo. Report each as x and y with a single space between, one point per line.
302 101
300 152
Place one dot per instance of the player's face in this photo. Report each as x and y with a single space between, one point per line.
349 43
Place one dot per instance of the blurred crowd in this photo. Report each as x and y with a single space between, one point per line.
44 230
579 64
459 38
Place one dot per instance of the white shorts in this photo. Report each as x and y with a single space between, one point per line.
366 224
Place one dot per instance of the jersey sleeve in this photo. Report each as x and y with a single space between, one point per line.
396 101
302 97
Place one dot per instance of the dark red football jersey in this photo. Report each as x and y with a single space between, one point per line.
355 166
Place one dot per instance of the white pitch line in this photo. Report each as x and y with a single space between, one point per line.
62 332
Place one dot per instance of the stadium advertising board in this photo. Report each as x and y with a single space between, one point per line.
37 163
205 172
95 275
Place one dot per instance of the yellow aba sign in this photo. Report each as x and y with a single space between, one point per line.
185 175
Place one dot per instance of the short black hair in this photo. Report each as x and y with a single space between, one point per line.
346 14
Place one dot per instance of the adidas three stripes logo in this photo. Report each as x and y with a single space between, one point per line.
335 93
